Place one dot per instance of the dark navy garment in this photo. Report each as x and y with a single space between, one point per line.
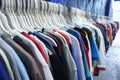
103 30
108 8
44 40
3 71
58 71
78 36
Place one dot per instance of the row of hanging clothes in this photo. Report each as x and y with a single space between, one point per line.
41 40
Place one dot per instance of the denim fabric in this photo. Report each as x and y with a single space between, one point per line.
81 4
88 6
108 8
102 7
71 3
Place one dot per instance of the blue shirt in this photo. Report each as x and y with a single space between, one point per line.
3 71
45 41
77 56
94 48
78 36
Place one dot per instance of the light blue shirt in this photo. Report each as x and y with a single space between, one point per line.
13 54
76 52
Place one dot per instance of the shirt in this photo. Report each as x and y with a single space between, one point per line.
58 71
77 55
64 53
84 43
3 72
27 59
77 35
23 71
37 44
10 72
38 57
15 62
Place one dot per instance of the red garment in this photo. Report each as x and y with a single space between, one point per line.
64 35
87 55
109 30
37 44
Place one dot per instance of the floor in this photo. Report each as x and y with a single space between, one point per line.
112 61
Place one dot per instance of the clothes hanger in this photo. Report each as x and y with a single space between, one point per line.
48 18
8 13
36 18
42 15
80 16
90 18
52 12
98 19
4 18
26 15
14 7
32 14
20 16
56 7
5 26
2 29
73 14
61 14
39 15
14 23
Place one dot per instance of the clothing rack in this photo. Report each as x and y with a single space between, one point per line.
41 40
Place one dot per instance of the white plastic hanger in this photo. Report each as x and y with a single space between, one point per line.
15 16
19 15
45 17
42 16
12 15
4 21
26 15
3 17
72 14
55 15
8 14
48 18
2 28
56 7
58 14
33 15
36 14
61 16
39 15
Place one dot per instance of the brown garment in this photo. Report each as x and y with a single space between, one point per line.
27 59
